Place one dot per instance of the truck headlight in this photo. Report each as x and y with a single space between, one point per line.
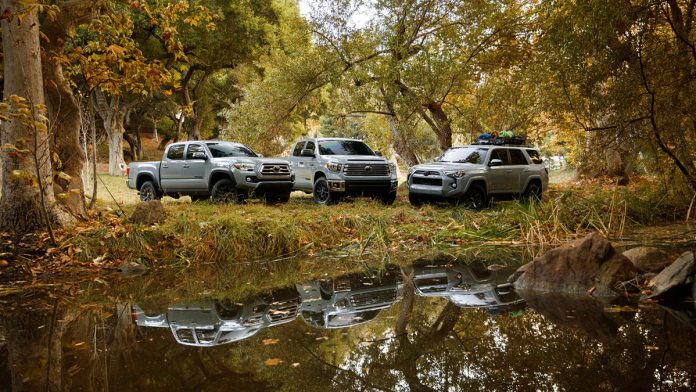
455 173
334 166
392 168
244 166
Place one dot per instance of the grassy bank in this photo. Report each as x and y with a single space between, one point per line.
201 232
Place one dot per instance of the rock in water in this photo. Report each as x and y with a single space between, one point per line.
148 213
130 269
586 266
679 273
648 258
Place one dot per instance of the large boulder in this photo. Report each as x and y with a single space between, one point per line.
648 258
586 266
678 274
148 213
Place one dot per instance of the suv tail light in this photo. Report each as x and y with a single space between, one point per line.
128 171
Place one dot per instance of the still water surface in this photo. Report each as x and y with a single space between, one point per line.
425 326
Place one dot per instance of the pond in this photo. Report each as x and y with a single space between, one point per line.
433 324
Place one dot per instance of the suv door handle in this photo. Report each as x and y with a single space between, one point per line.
165 166
186 166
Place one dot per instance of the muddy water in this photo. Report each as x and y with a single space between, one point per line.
423 326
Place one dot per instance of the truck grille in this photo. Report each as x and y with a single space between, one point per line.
275 169
427 173
366 169
437 181
283 310
373 298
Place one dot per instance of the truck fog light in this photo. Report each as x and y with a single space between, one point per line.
454 185
248 179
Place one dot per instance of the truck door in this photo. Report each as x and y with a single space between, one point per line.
519 166
307 165
170 169
303 177
498 176
194 167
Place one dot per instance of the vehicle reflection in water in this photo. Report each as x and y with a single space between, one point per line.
468 285
345 301
214 322
349 300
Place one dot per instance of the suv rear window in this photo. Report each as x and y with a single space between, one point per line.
176 152
517 158
535 156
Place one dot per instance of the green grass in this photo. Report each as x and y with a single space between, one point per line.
361 229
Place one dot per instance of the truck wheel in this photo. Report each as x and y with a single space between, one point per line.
388 198
224 191
475 198
532 194
415 200
322 195
148 192
274 198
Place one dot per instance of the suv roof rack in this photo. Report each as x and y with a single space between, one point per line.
487 143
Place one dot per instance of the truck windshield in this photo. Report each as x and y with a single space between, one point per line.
344 147
464 155
227 150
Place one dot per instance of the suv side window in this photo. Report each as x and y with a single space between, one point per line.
517 158
193 148
176 152
535 156
502 154
298 149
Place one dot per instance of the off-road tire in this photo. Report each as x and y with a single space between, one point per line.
387 198
225 191
322 194
475 198
415 200
533 193
148 191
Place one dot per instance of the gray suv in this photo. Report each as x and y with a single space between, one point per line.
331 168
470 175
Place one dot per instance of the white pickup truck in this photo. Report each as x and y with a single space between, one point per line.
331 168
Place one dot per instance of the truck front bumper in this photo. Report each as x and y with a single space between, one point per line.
363 187
251 182
446 188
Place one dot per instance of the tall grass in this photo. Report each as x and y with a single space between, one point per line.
197 233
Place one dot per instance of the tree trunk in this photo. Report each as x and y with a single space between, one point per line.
116 160
21 208
113 116
443 125
64 110
399 142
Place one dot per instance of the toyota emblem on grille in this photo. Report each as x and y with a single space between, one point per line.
368 168
276 169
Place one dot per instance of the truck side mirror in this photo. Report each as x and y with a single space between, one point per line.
378 153
495 162
306 152
199 155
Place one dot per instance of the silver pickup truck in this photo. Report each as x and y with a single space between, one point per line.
331 168
229 172
470 175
